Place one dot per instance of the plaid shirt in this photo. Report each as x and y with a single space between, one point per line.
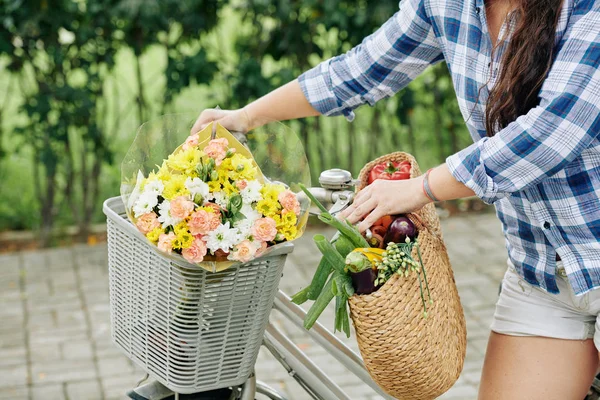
542 172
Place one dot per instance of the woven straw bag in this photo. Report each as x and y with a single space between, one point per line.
407 355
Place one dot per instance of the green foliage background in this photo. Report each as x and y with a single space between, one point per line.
78 77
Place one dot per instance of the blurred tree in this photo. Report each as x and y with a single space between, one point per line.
61 52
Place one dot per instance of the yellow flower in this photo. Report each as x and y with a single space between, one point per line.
183 239
154 234
163 172
175 187
268 207
289 219
214 186
243 168
185 161
181 228
271 191
290 233
229 189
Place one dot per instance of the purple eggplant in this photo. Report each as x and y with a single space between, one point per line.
364 281
399 230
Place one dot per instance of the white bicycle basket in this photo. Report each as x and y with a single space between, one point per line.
190 329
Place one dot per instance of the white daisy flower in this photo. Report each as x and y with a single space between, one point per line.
145 203
197 186
245 227
250 213
251 192
154 186
164 214
224 238
221 199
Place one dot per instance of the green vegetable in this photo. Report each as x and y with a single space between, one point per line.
320 304
330 253
302 296
343 245
357 261
319 278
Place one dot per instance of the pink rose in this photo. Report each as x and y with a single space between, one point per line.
165 242
264 229
147 222
289 201
202 222
196 252
244 251
181 207
241 184
191 141
217 149
261 249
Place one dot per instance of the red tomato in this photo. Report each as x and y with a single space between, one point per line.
391 170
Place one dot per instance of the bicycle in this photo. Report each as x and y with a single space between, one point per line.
336 190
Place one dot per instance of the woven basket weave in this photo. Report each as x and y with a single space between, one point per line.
407 355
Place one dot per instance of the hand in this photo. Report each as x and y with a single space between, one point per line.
385 197
233 120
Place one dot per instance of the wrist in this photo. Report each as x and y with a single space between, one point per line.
426 187
249 117
422 195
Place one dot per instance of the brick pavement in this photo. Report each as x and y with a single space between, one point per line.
55 334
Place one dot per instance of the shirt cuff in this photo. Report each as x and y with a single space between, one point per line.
467 167
318 89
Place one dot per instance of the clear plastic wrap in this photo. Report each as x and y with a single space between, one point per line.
164 179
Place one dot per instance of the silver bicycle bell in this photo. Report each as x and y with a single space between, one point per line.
336 179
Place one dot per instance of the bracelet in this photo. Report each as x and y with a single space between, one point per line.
427 189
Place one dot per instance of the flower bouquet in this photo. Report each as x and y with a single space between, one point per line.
210 203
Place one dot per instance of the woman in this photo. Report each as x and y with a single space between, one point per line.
527 81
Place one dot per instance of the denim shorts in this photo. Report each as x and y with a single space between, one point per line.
526 310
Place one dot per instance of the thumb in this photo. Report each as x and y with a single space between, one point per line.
206 117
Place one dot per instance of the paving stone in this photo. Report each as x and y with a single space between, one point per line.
15 375
53 391
77 350
12 356
62 371
88 389
14 393
115 366
45 352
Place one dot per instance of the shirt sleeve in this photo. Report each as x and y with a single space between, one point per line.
542 142
383 64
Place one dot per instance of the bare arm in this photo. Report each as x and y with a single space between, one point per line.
384 197
283 103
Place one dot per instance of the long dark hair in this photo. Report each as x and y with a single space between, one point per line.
525 64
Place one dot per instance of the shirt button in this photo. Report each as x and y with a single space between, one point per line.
546 225
477 10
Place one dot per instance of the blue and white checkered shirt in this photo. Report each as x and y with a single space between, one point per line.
542 172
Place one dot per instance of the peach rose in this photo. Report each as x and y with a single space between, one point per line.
241 184
264 229
196 252
181 207
191 141
244 251
147 222
165 242
202 222
217 149
289 201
